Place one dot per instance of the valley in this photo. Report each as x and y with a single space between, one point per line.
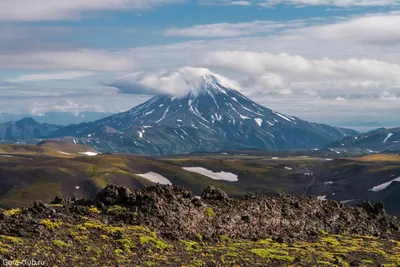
31 173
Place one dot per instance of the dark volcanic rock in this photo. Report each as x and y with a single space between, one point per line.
175 213
113 194
212 193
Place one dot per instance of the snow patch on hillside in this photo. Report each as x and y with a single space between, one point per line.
88 153
383 186
387 138
226 176
155 178
259 121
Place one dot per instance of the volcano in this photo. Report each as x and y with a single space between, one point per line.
213 116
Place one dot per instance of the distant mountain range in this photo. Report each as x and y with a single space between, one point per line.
54 117
212 117
25 129
381 140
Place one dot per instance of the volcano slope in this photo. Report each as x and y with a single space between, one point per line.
167 226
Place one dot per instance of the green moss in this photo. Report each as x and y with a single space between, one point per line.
189 245
12 212
224 238
50 224
272 254
118 251
93 224
60 243
12 239
199 237
209 212
331 241
126 243
197 263
116 209
115 231
147 240
95 210
368 261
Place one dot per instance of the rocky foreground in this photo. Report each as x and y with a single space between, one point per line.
168 226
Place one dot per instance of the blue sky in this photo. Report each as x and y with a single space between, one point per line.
332 61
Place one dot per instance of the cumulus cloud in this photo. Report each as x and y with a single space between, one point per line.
373 29
47 10
178 82
284 71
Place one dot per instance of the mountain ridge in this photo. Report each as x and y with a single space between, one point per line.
26 128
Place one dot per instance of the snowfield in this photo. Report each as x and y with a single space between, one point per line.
383 186
259 121
387 138
91 154
226 176
155 178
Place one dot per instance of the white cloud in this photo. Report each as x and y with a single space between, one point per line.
68 75
373 29
47 10
177 82
240 3
83 59
294 72
237 29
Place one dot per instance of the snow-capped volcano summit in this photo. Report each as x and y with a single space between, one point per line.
211 117
178 83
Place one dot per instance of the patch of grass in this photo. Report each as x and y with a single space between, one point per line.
25 196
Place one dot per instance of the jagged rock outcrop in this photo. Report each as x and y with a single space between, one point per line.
174 212
212 193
